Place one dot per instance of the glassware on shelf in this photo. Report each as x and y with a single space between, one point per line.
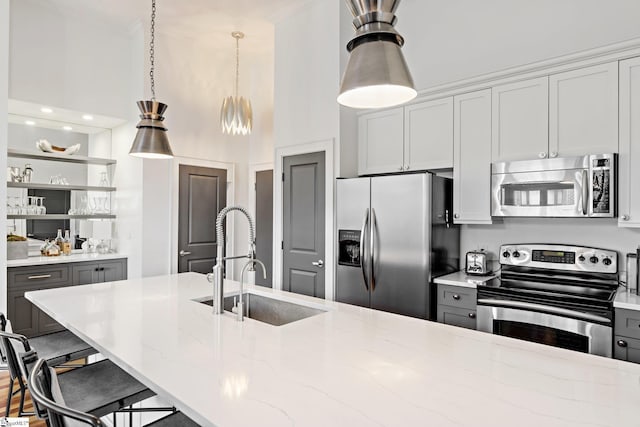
42 210
102 247
27 174
104 180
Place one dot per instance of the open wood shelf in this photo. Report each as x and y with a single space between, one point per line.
39 155
31 185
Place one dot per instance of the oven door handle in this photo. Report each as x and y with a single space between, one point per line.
544 309
585 193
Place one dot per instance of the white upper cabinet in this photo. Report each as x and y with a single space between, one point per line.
629 156
583 111
380 142
520 120
428 135
472 158
416 137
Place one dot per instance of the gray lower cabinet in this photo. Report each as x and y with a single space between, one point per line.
456 306
626 340
28 320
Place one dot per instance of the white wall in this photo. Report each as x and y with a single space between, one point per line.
452 40
65 60
307 75
4 100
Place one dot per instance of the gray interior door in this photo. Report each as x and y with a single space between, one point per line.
264 224
202 194
303 224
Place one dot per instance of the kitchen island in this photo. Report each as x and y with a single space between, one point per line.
348 366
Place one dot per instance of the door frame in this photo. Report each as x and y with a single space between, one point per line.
254 168
331 166
175 172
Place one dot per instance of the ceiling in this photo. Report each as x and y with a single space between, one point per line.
213 19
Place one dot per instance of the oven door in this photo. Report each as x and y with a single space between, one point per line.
544 324
553 193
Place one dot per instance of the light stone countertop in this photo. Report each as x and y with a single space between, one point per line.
627 299
350 366
460 278
61 259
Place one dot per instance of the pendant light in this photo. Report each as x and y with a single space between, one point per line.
151 141
376 75
236 117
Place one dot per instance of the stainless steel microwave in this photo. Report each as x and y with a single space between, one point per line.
579 187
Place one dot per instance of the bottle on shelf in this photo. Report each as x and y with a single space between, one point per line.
66 244
59 240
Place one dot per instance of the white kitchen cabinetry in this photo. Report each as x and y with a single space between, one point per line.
472 158
380 142
583 111
520 120
416 137
428 135
629 156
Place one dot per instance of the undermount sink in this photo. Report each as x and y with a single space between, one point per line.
269 310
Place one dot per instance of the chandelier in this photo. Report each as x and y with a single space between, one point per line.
236 117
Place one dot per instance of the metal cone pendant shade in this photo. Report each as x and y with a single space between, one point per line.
236 115
151 141
376 75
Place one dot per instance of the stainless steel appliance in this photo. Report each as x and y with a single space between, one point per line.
559 295
477 263
564 187
395 233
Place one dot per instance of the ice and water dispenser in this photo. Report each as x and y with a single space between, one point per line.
349 248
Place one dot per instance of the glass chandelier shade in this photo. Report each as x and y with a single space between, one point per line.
236 115
377 74
151 141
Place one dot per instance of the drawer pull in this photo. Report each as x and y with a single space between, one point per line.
39 276
472 315
621 343
456 297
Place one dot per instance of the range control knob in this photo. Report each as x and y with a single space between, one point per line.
516 254
506 254
606 261
581 258
594 259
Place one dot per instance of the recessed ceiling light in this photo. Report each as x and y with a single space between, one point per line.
46 110
67 128
87 117
29 122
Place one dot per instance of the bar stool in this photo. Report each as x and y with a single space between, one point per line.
44 386
98 388
57 348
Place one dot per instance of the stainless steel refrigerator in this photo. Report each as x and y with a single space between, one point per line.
395 233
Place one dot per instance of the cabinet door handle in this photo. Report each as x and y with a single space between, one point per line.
39 276
456 297
401 168
542 154
625 217
456 216
621 343
553 154
472 315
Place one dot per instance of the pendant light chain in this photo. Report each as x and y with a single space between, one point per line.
237 64
152 49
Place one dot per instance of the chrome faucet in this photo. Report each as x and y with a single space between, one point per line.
250 264
216 276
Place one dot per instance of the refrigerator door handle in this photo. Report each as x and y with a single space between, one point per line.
372 244
362 245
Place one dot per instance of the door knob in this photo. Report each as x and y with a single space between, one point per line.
183 253
318 263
